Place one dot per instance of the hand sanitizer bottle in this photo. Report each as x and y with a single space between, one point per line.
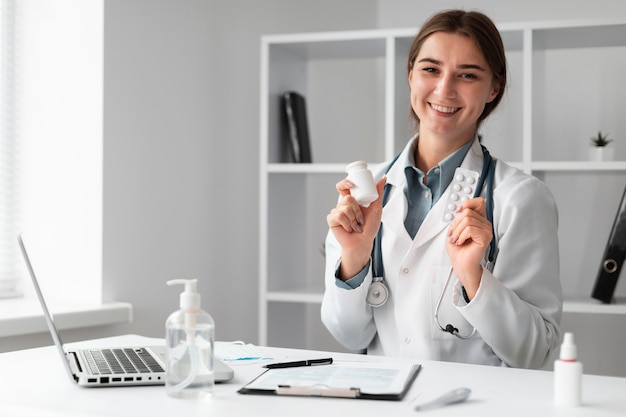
364 190
568 374
189 340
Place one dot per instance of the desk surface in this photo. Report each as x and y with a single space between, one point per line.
45 390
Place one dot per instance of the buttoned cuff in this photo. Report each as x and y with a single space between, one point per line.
355 281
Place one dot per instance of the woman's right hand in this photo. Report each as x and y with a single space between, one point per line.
355 227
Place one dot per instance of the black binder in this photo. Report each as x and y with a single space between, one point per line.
613 258
296 126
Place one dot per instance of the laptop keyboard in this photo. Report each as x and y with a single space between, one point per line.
121 361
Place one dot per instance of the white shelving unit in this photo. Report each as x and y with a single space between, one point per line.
565 84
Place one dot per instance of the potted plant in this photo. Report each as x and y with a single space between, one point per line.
600 150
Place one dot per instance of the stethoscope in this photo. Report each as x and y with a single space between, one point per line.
378 291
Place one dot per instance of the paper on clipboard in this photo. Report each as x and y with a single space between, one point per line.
388 381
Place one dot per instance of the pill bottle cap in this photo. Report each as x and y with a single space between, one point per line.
356 165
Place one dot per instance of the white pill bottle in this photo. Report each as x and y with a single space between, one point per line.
364 190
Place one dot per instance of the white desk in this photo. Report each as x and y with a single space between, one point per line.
47 391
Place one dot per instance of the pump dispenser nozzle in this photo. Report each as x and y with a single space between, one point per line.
189 299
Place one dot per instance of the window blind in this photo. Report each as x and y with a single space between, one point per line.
51 78
10 270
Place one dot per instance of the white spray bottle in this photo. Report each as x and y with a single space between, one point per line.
189 340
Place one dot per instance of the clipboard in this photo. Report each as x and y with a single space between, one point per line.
357 380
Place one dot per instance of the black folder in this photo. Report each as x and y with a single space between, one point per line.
613 258
296 127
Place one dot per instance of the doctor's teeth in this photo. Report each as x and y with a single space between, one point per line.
443 109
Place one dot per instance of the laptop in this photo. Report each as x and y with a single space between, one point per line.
108 367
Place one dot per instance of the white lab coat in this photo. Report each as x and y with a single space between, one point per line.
516 310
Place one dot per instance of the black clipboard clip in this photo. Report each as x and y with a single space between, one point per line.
318 391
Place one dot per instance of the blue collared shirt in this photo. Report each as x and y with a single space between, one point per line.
423 195
420 197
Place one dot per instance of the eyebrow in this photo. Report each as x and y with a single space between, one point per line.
462 66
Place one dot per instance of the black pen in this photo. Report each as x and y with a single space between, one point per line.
306 362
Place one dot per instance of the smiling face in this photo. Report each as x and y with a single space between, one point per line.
450 83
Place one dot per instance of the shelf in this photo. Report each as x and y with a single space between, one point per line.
563 166
569 306
323 47
543 166
295 297
582 35
306 168
578 166
594 306
24 316
542 127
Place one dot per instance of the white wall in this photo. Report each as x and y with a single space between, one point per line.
181 121
409 13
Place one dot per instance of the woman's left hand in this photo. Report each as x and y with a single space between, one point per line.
469 236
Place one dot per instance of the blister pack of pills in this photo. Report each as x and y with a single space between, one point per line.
462 188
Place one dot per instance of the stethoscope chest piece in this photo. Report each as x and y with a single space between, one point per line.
377 293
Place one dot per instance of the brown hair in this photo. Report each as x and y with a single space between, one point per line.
481 30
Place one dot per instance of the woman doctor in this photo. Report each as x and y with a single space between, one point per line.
445 301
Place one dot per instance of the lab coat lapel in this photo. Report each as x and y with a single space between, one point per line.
474 158
395 210
433 224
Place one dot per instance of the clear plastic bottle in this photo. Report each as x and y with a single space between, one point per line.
568 374
190 340
364 190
